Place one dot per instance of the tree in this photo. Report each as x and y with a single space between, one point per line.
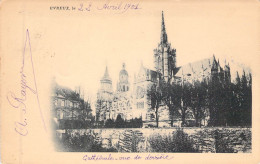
119 123
109 123
250 100
155 94
215 100
185 101
246 100
173 99
199 101
99 104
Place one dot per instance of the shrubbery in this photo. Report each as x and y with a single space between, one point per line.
82 143
221 143
177 142
120 123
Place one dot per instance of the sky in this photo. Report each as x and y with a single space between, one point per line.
82 45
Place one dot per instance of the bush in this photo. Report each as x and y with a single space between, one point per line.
109 124
84 143
120 123
177 142
221 144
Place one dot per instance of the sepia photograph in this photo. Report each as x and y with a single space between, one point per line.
171 81
202 106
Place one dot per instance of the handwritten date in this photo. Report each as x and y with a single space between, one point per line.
117 7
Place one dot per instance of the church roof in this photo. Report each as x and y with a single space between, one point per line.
66 93
146 74
197 70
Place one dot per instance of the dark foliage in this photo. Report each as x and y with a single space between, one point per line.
121 123
226 103
230 104
82 143
177 142
221 143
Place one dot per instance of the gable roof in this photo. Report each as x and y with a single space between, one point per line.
196 70
145 74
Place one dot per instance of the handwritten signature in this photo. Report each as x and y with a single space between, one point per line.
19 102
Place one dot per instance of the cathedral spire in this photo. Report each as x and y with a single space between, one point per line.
106 72
163 31
106 75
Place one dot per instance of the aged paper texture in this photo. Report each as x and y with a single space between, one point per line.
130 81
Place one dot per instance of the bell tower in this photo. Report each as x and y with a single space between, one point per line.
123 84
106 91
164 55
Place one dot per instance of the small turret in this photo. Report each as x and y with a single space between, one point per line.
227 73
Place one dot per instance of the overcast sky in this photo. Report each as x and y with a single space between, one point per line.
83 45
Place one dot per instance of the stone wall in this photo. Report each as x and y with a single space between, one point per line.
224 140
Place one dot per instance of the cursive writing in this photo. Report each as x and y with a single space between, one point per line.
122 7
19 101
110 157
113 6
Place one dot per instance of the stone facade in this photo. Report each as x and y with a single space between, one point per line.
133 102
164 55
67 107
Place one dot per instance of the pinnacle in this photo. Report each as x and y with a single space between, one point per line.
163 31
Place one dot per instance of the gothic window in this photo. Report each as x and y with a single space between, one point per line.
55 102
61 114
62 102
59 102
67 114
140 105
152 116
158 61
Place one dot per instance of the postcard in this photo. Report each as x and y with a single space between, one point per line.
112 81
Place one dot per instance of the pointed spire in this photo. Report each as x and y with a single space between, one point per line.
106 72
244 72
238 77
106 75
123 65
163 31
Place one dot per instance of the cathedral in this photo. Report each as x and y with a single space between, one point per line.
131 101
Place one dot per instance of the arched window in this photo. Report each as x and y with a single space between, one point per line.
159 60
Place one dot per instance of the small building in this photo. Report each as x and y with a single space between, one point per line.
68 108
